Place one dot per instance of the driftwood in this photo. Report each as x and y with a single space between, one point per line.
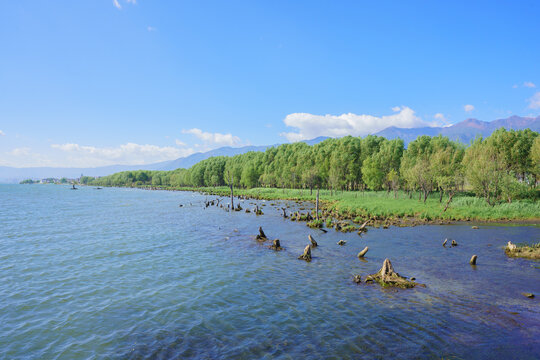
341 242
510 246
473 260
386 276
363 252
454 243
363 226
444 242
284 212
306 255
312 241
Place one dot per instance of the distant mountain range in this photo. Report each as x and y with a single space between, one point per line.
464 132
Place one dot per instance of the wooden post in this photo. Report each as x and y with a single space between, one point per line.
231 183
317 205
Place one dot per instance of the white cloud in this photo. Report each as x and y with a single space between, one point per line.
180 143
534 101
439 116
515 86
2 133
214 139
128 154
310 126
529 84
131 1
468 108
23 151
151 28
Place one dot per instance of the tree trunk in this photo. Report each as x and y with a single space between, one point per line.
451 195
440 195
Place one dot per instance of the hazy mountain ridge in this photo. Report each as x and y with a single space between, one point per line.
464 132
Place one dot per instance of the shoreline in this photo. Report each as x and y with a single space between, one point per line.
328 209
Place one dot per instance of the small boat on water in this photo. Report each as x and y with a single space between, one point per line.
98 188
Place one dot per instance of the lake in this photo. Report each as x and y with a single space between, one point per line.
127 273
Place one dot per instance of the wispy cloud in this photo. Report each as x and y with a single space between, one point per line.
129 154
151 28
2 133
180 143
214 139
534 101
309 126
468 108
117 4
529 84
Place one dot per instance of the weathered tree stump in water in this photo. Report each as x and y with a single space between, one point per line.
306 255
473 260
363 252
312 241
276 245
454 243
357 279
341 242
388 277
510 246
262 235
444 242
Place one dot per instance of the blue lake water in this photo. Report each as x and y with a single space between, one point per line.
126 273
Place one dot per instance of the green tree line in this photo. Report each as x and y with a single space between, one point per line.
502 167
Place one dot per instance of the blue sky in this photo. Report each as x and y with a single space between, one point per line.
99 82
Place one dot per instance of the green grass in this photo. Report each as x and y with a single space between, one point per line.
352 204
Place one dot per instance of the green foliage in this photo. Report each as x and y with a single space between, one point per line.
502 168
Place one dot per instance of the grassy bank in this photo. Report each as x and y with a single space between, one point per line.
381 204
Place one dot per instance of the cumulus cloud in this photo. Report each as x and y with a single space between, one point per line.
310 126
2 133
534 101
529 84
214 139
468 108
128 154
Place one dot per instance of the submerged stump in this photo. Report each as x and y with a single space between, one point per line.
276 245
306 255
473 260
261 236
341 242
386 276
